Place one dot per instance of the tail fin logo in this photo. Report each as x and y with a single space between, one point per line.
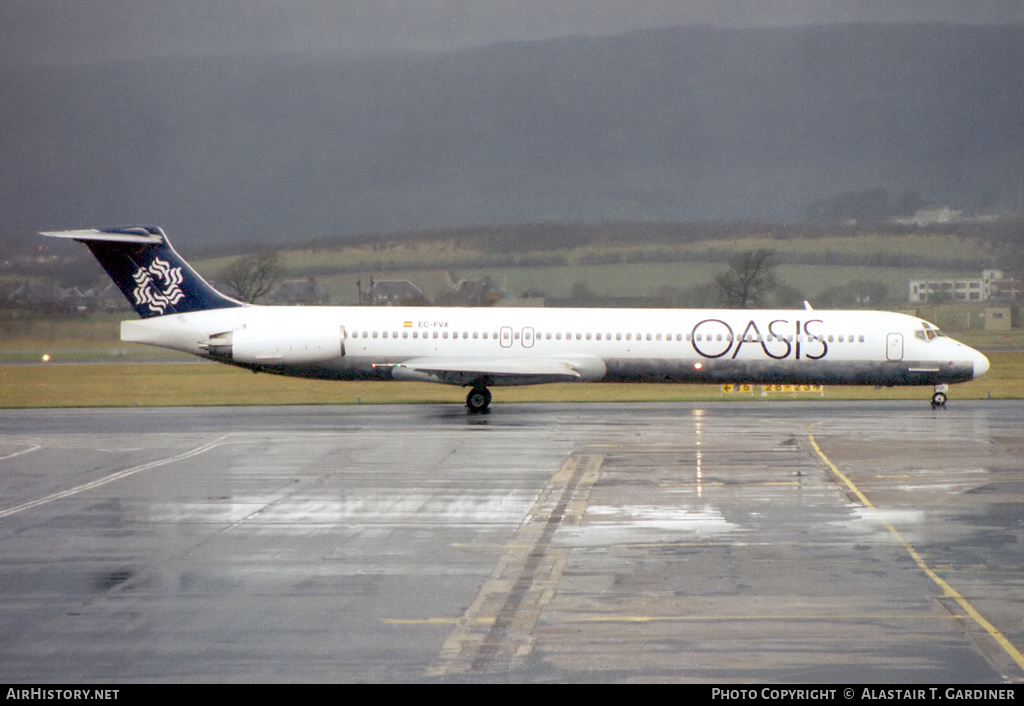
158 286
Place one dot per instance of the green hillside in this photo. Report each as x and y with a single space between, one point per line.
638 260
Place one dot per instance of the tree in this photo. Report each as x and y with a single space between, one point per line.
252 276
749 281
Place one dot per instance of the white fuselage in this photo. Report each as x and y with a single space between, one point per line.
515 346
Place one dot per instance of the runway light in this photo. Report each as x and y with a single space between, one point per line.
698 365
46 357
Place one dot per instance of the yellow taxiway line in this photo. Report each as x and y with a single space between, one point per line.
947 590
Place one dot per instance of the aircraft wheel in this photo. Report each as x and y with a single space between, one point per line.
939 399
478 399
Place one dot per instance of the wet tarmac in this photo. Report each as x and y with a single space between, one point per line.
727 543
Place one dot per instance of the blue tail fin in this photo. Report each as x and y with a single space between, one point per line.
151 274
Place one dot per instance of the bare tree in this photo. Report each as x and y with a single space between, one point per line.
252 276
749 281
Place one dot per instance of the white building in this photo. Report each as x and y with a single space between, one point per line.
936 215
992 286
947 290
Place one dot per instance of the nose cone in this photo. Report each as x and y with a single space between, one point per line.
980 364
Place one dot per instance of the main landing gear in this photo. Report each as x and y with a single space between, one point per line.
478 399
939 398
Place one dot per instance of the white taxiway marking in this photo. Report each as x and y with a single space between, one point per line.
21 453
109 479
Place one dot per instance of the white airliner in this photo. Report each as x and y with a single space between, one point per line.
490 347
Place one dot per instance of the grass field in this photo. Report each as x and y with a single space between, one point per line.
640 267
442 254
203 383
635 279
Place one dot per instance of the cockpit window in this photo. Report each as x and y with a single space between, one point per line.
928 332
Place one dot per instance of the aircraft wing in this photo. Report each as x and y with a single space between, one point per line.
494 371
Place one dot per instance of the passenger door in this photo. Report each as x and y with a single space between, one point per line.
894 346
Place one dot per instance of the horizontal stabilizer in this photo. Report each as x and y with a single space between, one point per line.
138 235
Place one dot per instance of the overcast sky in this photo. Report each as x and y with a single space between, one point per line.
79 30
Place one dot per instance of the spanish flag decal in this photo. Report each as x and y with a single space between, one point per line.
407 324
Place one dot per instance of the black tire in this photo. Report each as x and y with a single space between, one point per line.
939 399
478 399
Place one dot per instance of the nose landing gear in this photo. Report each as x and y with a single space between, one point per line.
939 398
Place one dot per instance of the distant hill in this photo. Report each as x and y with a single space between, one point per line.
660 125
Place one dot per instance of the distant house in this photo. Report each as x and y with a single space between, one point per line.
299 291
394 292
935 215
999 288
46 297
932 215
110 299
472 292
